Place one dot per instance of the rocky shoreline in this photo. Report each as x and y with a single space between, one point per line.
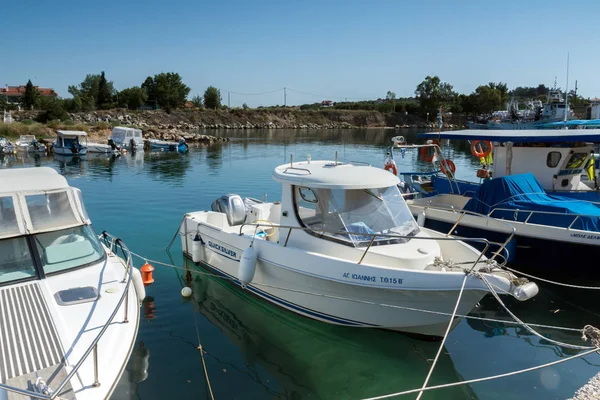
158 124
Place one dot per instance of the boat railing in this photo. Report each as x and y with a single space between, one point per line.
531 213
114 245
502 246
373 236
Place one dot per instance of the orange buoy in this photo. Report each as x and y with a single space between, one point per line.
447 167
477 151
147 278
426 153
391 166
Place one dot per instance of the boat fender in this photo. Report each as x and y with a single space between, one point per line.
186 291
247 266
421 219
428 152
197 248
526 291
138 284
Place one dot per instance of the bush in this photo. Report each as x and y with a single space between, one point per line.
103 125
27 122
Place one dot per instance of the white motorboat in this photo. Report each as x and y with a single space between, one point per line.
67 143
342 247
6 146
69 305
127 138
29 144
108 148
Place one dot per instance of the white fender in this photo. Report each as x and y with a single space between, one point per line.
197 249
526 291
421 218
138 284
247 266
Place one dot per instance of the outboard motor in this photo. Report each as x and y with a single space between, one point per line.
232 206
132 145
113 145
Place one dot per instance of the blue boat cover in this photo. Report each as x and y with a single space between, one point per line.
513 197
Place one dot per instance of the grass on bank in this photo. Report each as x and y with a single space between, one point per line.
30 127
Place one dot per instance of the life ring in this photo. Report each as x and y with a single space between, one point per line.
425 156
476 148
447 166
391 166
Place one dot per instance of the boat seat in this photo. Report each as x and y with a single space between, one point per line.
232 206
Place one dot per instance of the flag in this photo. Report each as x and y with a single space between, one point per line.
439 119
590 169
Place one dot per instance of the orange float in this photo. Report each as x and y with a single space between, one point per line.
146 271
392 167
425 156
447 167
476 148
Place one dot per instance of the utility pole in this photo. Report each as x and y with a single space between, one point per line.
285 97
228 99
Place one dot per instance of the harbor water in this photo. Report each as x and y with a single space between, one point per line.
255 350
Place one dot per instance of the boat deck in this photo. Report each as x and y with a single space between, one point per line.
29 343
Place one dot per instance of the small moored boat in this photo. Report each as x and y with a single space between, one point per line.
29 144
162 145
127 138
6 146
65 294
342 247
67 143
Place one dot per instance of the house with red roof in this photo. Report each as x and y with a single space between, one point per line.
13 94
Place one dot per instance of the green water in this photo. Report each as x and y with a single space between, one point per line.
257 351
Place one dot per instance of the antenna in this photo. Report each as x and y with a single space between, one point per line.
567 94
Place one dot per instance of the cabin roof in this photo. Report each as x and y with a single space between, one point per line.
71 133
519 136
328 174
31 179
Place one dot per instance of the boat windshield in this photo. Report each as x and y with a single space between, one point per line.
68 248
360 212
16 262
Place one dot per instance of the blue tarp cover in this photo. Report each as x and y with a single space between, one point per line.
522 193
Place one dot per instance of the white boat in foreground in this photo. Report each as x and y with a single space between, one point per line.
342 247
69 306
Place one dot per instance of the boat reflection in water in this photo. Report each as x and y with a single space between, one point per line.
307 357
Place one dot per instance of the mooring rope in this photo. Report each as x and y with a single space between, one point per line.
537 278
437 356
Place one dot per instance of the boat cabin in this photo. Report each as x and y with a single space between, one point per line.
125 136
69 139
557 158
44 228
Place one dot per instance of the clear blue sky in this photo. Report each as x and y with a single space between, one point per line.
353 49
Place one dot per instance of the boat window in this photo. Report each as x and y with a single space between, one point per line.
8 217
68 248
359 212
81 203
553 159
16 262
576 161
308 195
50 210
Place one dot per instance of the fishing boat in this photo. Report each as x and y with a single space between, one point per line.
29 144
127 138
563 161
67 143
342 247
69 304
162 145
6 146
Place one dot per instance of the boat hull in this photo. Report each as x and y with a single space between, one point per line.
67 151
327 300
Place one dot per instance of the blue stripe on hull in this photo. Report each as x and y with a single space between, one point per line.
286 304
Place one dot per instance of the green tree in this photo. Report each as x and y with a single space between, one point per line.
490 97
391 98
53 110
197 101
103 101
432 94
132 98
244 106
167 90
87 91
31 97
212 98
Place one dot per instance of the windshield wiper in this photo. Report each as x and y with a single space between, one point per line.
373 194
